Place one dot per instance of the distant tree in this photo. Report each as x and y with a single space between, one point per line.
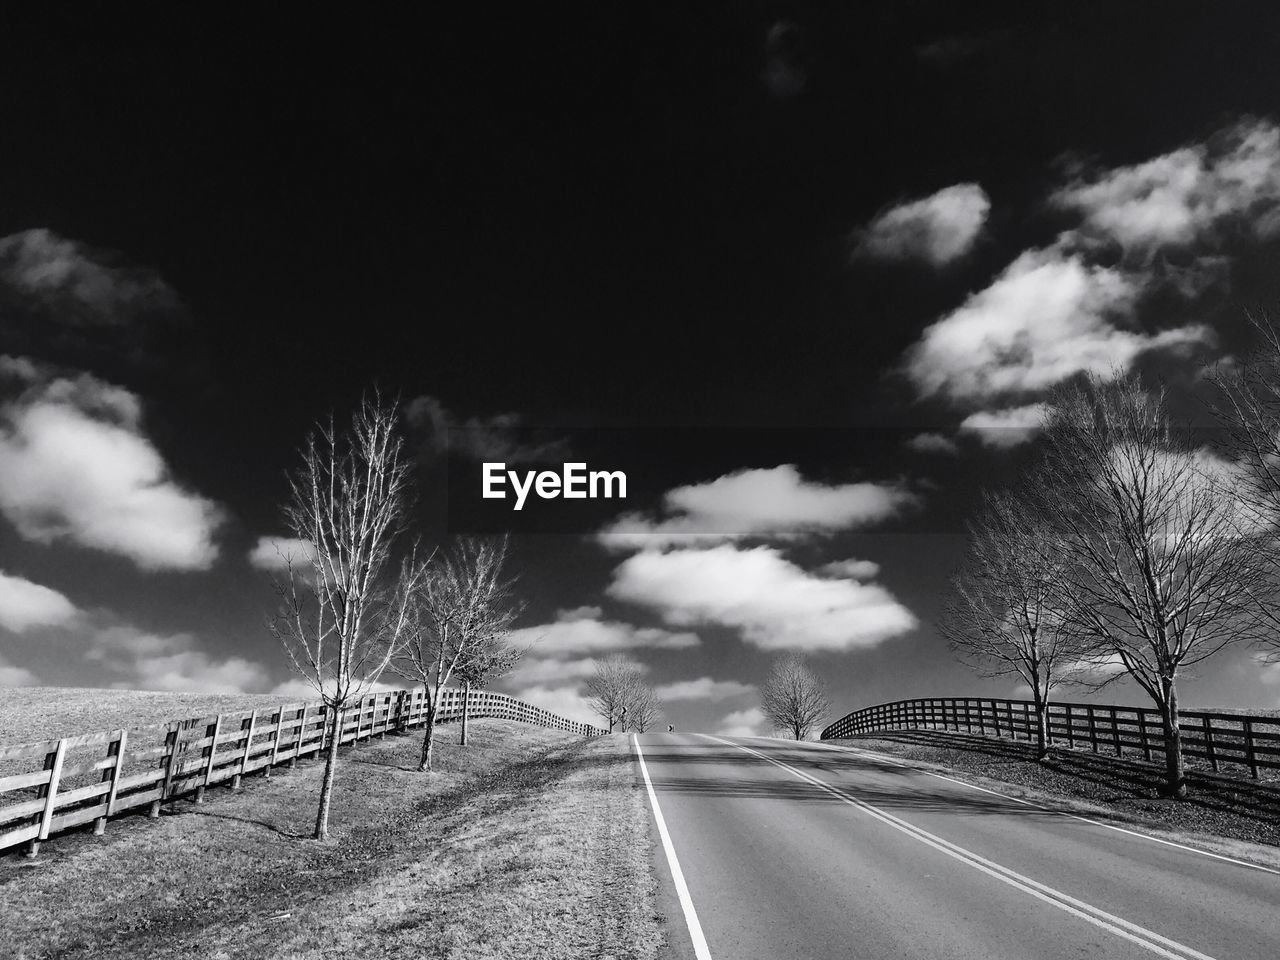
644 708
343 610
615 690
461 603
793 698
487 661
1005 613
1159 562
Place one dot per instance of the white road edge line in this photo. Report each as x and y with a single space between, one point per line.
1136 934
1030 803
682 890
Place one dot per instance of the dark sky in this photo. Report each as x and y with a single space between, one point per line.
607 217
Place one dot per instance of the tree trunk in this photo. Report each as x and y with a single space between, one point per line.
427 737
796 730
1175 779
466 710
330 768
1042 725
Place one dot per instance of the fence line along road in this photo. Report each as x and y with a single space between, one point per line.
83 779
1247 741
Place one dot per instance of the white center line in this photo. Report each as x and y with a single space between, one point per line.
682 890
1139 935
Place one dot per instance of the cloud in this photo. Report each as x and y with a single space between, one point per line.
297 689
11 676
501 437
774 603
762 502
1047 317
274 553
743 723
932 443
784 73
170 662
566 702
1186 196
582 631
1007 427
24 605
937 229
703 688
534 671
78 467
856 569
79 285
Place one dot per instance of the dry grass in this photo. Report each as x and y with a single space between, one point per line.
527 843
29 714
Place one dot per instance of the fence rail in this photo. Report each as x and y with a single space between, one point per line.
83 779
1247 741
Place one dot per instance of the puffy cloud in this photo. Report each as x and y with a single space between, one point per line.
937 229
501 437
566 702
24 605
1007 427
773 602
79 467
763 502
171 662
582 631
11 676
1187 195
703 688
856 569
932 443
82 286
1047 317
535 671
275 553
299 690
743 723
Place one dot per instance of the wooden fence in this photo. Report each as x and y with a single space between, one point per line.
1245 741
97 775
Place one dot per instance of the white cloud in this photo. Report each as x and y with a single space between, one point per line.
1047 317
774 603
79 467
743 723
11 676
83 285
171 662
932 443
856 569
776 501
24 605
533 671
582 631
275 553
703 688
937 229
297 689
566 702
1007 427
1185 196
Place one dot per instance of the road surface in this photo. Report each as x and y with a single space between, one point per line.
774 850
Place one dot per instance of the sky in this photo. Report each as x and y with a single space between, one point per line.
805 272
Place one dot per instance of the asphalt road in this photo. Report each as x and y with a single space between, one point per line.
809 851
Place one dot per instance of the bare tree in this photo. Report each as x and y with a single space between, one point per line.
1159 561
644 707
793 697
613 690
487 661
1005 614
1249 409
461 602
343 611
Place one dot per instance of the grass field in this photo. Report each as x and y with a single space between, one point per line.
28 714
526 843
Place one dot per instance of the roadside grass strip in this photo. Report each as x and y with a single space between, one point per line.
1134 933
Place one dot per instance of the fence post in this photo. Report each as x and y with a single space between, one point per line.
49 791
210 753
170 760
116 749
249 724
1115 733
1142 734
1208 743
1250 757
1093 730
